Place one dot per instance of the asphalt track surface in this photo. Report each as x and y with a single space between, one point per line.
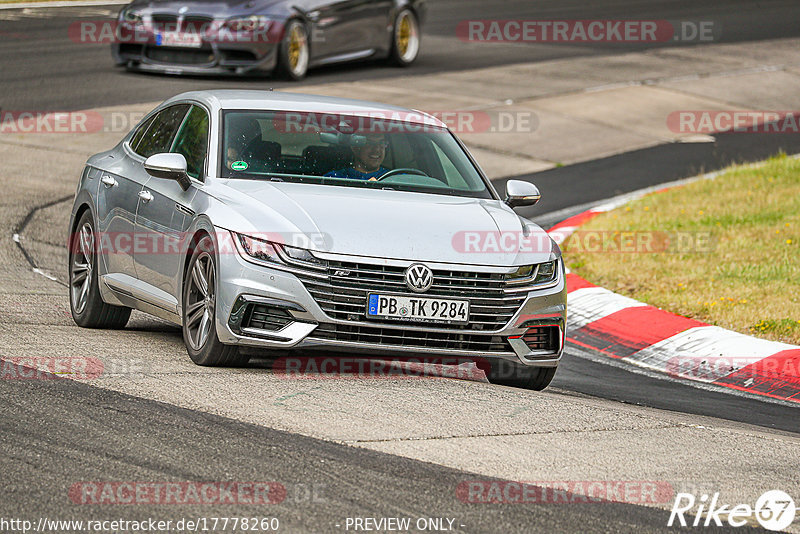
57 432
42 69
103 435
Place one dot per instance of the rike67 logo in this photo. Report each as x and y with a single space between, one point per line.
774 510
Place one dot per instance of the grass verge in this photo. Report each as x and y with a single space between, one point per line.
725 251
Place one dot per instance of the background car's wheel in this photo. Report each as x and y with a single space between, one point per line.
517 375
199 311
88 308
405 38
294 51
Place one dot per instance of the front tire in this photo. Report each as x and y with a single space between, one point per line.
507 373
199 311
88 308
405 39
294 52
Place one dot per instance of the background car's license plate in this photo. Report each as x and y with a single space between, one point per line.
418 308
188 40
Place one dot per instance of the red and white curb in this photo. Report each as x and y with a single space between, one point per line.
683 348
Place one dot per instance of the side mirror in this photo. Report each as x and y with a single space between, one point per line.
170 167
519 193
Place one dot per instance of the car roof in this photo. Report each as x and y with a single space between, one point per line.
280 101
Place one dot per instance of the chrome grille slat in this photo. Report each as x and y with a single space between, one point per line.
477 299
344 297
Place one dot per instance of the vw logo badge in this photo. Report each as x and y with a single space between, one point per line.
419 278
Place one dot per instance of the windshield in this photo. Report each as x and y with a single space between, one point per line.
346 150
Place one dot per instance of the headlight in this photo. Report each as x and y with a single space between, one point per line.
275 253
534 274
546 272
258 249
129 15
302 255
253 23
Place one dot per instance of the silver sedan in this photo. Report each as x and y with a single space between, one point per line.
262 220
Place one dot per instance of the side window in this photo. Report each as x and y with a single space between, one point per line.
159 135
137 136
192 141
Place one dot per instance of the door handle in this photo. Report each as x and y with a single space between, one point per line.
145 195
108 181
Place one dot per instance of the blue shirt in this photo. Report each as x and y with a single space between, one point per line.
357 175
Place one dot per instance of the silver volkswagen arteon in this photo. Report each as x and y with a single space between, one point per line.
286 221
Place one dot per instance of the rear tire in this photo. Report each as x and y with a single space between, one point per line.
294 52
405 39
199 311
507 373
88 308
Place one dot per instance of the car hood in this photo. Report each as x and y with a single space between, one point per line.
389 224
214 8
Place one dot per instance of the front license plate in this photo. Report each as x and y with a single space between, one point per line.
187 40
428 309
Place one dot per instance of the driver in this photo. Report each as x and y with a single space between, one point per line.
367 160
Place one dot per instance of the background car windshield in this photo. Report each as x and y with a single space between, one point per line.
346 150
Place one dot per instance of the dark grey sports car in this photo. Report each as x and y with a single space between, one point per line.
287 36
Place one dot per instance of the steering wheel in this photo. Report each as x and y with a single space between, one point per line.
394 172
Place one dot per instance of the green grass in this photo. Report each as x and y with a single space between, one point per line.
746 277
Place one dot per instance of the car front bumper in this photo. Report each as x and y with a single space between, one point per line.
211 58
308 326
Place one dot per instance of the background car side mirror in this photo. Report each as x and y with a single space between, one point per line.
519 193
170 167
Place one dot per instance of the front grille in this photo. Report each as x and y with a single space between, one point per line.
343 295
180 56
165 22
544 338
266 317
415 339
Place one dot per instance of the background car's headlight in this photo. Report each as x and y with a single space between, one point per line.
129 15
252 23
258 249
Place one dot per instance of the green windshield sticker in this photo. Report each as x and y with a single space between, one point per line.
239 165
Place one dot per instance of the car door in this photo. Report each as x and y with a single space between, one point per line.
346 26
165 213
117 199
